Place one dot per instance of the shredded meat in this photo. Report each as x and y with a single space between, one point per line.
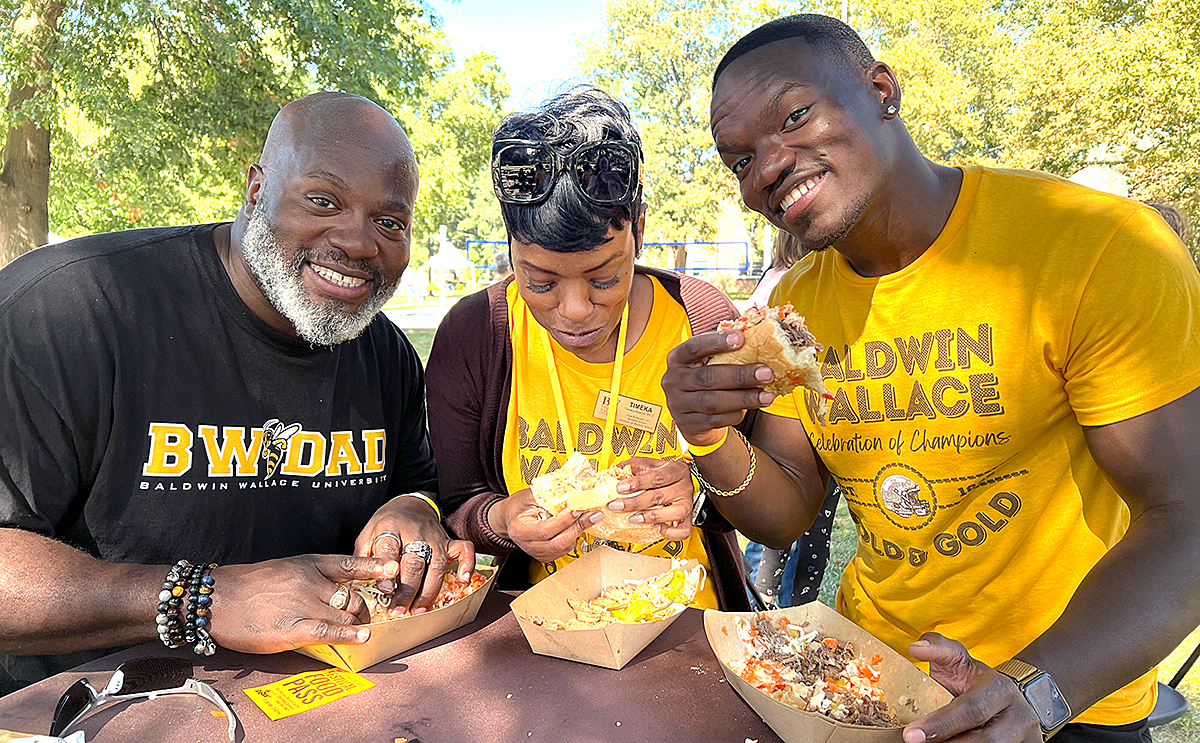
818 663
799 335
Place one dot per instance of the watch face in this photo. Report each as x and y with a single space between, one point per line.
1052 710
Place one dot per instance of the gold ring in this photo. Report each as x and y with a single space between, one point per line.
340 599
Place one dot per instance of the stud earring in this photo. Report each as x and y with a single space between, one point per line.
891 110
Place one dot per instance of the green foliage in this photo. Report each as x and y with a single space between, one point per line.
1017 83
451 130
158 107
1117 81
658 56
954 60
1042 83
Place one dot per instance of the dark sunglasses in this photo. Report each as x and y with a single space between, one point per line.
608 172
135 679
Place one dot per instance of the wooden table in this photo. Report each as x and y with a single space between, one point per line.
478 683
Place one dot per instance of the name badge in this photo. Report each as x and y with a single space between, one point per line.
631 412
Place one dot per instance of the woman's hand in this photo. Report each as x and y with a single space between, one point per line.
662 495
540 535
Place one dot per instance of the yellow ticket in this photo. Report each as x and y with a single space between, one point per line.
305 691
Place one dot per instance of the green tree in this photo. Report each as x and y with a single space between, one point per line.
954 60
157 108
1116 76
658 56
451 129
1042 83
1018 83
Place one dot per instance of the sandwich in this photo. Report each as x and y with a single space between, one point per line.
777 337
579 487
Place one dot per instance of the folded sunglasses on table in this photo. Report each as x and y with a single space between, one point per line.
143 678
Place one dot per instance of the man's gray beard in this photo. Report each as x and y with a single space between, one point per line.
321 324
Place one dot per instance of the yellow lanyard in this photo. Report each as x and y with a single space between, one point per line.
614 389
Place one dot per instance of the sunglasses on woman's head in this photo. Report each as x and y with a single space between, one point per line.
136 679
608 172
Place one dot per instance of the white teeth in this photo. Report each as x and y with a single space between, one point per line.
338 278
798 192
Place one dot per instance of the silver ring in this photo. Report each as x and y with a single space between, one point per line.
340 598
417 547
383 534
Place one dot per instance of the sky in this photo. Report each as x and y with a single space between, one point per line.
534 40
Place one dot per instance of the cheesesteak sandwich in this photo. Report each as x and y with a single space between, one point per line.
777 337
578 486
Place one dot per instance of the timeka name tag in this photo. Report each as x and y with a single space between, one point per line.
631 412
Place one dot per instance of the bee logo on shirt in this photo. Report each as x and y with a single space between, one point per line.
275 443
287 450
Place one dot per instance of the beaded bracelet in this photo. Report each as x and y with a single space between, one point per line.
198 612
180 624
169 605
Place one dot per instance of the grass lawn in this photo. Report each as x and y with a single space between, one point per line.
845 542
422 340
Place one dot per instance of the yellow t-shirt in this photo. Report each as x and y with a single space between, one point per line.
534 442
961 384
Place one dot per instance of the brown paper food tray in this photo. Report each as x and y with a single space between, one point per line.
898 677
611 646
397 635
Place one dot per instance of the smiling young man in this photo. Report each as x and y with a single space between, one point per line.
1013 360
224 393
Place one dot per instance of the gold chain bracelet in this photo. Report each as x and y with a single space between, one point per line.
745 483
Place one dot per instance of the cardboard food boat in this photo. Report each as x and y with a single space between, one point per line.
611 646
394 636
908 691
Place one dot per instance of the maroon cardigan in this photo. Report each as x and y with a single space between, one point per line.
469 381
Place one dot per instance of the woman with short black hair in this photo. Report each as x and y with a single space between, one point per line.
521 373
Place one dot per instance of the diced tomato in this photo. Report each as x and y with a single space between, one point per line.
725 631
875 660
831 642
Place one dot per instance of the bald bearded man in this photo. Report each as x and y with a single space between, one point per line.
220 393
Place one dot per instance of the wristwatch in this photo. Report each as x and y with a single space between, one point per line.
1042 694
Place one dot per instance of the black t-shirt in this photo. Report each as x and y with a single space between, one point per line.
147 415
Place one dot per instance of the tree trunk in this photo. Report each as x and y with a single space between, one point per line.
681 256
25 161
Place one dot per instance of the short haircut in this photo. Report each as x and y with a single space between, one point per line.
503 262
566 222
834 40
786 250
1174 219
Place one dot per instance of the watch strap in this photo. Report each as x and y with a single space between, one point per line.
1022 673
1018 670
